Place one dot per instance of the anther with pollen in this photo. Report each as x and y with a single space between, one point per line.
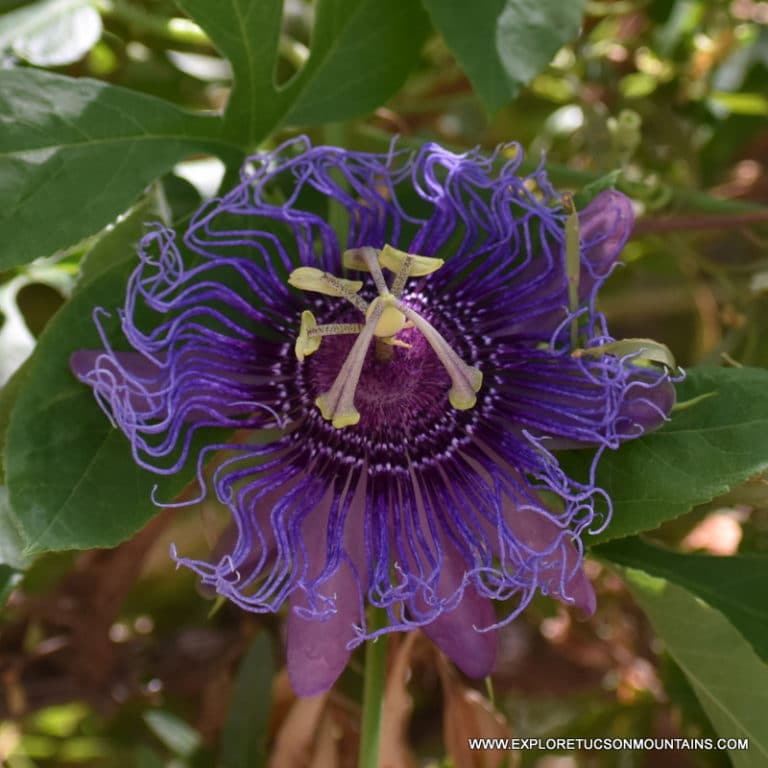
385 317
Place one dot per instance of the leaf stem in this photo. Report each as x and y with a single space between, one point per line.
373 694
650 225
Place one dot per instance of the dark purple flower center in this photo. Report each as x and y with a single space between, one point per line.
393 369
401 391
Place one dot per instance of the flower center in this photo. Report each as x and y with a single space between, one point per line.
383 322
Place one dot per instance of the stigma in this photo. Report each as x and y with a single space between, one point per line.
382 320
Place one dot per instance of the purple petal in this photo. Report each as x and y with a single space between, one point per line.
605 225
321 512
560 572
317 649
455 632
646 407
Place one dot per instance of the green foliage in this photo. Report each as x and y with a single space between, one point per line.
8 394
736 586
76 153
118 244
93 147
244 738
353 67
347 71
9 579
704 451
11 543
662 100
503 44
233 25
730 681
50 33
176 735
70 474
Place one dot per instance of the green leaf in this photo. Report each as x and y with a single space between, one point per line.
144 757
11 543
72 481
247 32
8 394
729 679
176 735
704 451
118 242
9 578
76 153
361 52
244 738
590 191
736 585
503 44
51 33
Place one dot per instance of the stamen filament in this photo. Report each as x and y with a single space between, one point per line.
337 404
335 329
402 276
340 285
465 379
385 317
370 258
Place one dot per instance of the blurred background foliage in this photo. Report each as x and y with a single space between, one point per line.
112 658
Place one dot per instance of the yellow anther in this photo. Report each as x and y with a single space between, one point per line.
339 418
312 279
419 266
306 344
385 317
463 398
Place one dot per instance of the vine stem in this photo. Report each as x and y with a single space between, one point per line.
649 225
373 694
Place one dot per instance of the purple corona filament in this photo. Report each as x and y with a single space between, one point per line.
396 388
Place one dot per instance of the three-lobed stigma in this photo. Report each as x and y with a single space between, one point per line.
384 318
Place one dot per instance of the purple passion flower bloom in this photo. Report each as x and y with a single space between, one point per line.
397 384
